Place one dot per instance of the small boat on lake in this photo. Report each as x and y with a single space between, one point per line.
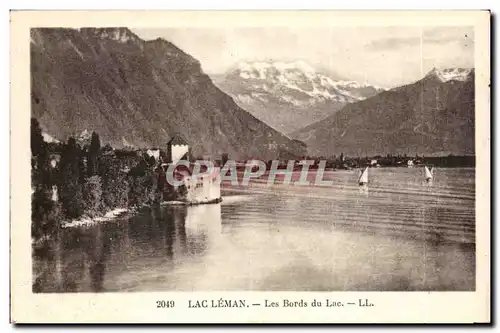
363 178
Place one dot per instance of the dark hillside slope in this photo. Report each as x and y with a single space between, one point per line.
430 116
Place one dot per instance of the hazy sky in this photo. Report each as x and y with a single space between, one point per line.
386 56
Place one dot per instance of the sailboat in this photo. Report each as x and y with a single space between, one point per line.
428 174
363 178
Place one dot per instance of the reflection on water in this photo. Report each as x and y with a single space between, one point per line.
363 190
398 233
97 258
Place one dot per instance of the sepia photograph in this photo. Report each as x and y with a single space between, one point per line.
247 158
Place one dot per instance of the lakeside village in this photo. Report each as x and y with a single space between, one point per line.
78 184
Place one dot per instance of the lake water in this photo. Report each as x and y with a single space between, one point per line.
397 234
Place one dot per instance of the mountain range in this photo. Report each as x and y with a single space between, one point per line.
290 95
139 93
435 115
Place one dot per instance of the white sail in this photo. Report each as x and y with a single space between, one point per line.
428 173
363 179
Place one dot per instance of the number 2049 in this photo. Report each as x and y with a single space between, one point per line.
165 304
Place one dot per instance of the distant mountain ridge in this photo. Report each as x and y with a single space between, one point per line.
138 93
289 95
435 115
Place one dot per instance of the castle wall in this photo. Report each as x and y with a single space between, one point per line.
203 188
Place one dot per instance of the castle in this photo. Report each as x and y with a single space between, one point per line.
200 189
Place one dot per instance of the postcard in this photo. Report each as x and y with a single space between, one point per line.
250 167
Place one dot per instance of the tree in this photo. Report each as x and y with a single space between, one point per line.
161 184
70 179
114 183
136 192
92 195
121 190
39 157
93 155
151 161
41 182
38 145
136 188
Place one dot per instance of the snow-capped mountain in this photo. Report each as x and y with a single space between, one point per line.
450 74
290 95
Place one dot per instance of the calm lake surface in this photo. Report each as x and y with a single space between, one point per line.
398 234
